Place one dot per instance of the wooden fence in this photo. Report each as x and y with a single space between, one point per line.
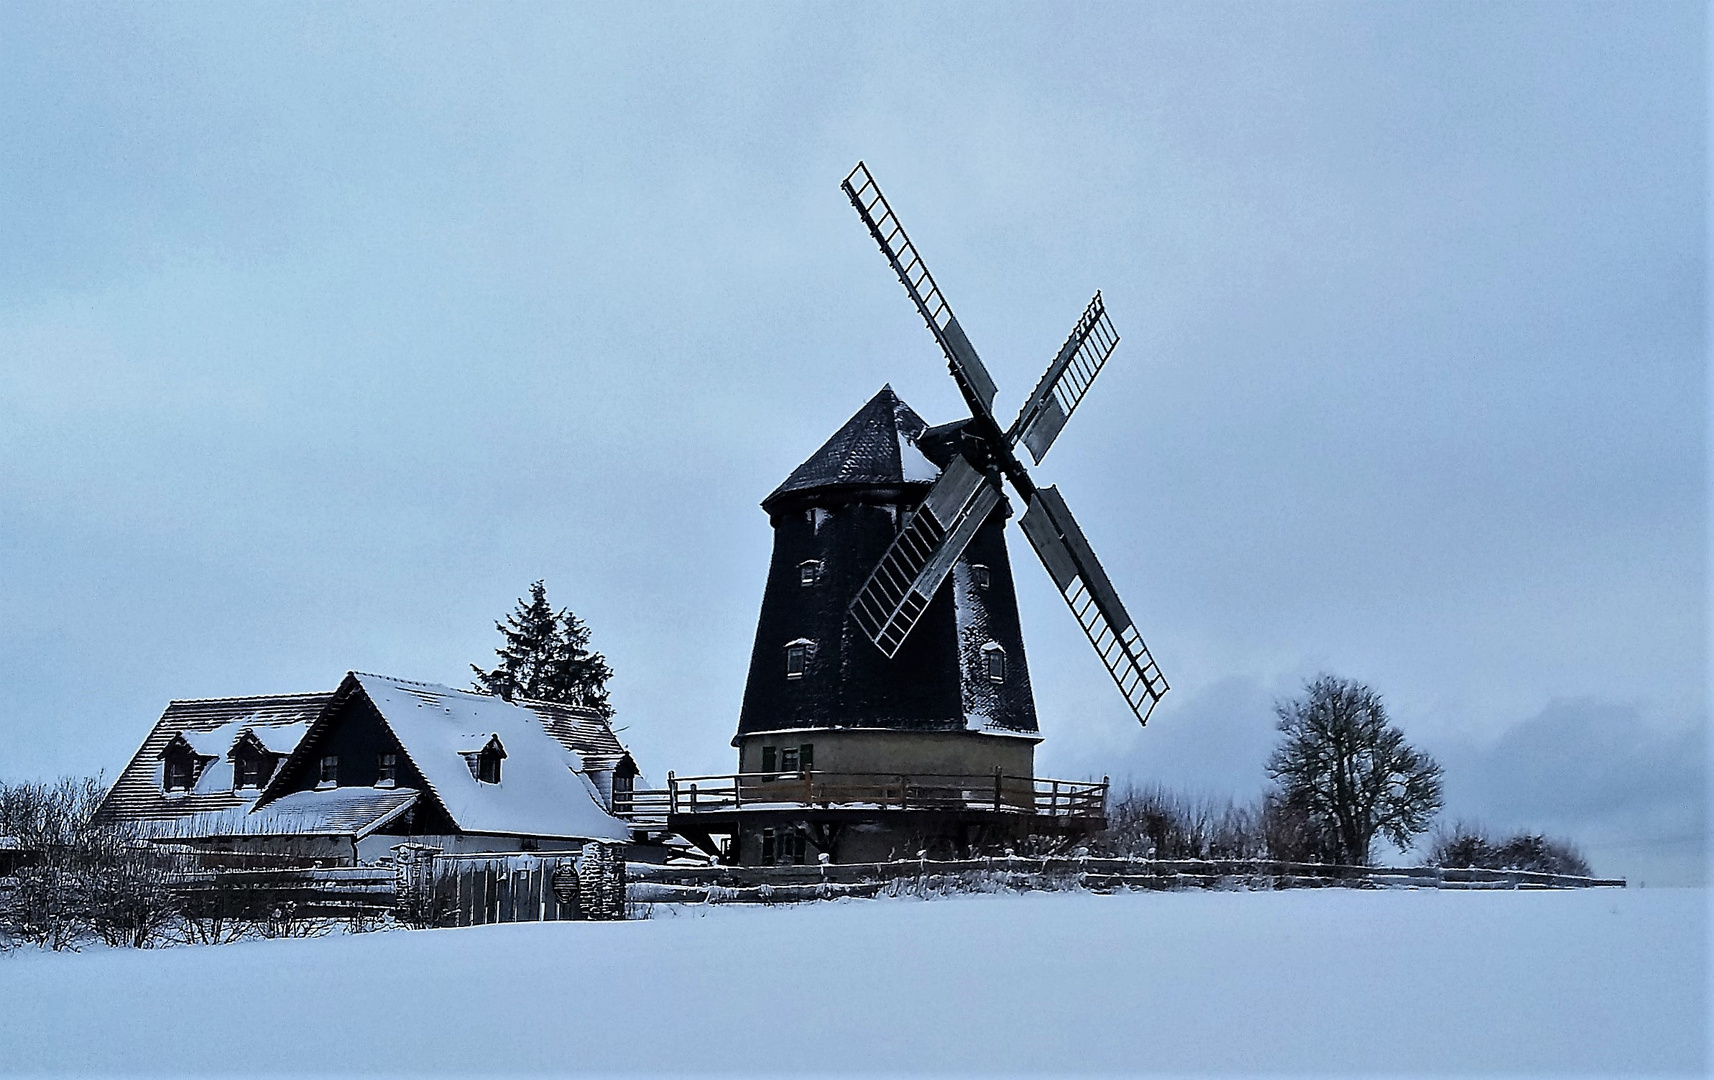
426 888
353 892
784 884
472 890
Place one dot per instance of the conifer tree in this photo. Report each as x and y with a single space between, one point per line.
546 657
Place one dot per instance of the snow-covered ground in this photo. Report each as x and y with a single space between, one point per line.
1335 980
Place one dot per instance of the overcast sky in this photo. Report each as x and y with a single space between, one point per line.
325 330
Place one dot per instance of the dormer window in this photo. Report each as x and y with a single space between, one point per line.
980 573
181 765
797 659
180 772
994 662
809 572
252 763
328 776
484 763
247 769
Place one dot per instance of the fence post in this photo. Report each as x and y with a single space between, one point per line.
413 883
601 881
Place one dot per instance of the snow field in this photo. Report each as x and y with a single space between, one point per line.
1390 981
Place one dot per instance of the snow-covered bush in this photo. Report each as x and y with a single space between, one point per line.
79 879
1468 845
1153 822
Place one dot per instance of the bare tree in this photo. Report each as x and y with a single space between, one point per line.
1343 765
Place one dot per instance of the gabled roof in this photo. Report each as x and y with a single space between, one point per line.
876 448
539 793
278 719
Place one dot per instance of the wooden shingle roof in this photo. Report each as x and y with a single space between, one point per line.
137 794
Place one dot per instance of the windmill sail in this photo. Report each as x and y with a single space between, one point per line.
973 378
1066 380
1053 532
900 587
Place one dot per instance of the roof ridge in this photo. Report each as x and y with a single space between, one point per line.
249 697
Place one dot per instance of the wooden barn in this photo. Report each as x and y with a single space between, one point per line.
345 776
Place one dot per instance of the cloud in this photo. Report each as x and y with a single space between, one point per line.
1630 789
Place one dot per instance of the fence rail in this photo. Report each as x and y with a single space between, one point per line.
777 884
995 792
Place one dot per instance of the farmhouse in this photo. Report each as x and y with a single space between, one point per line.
345 776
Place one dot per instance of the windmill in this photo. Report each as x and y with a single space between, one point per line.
898 591
888 707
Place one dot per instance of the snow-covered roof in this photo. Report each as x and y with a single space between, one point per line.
579 729
279 719
347 811
539 793
355 811
275 737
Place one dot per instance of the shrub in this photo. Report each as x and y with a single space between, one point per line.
80 879
1467 845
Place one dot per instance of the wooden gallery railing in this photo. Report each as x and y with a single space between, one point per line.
993 792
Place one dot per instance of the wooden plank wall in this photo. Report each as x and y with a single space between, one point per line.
475 890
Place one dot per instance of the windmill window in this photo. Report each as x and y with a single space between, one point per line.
329 775
980 573
809 572
788 759
797 659
387 770
994 662
778 849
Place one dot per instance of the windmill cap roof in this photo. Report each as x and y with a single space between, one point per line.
875 448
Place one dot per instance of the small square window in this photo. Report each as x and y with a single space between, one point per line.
797 656
329 776
387 770
809 572
788 759
996 665
980 573
180 772
249 771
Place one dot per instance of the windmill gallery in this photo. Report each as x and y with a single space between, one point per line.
887 710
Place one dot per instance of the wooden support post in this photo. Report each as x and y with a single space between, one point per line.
997 788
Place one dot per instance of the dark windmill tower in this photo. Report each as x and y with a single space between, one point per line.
888 708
